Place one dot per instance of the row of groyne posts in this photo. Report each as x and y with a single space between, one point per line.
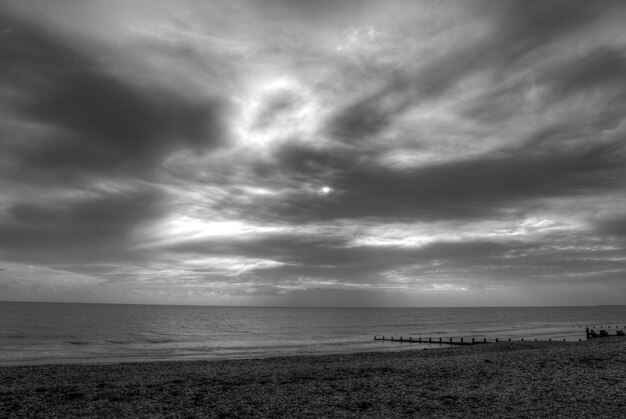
602 332
590 333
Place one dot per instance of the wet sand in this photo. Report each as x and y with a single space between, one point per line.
520 379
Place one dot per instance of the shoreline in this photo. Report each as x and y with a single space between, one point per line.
504 379
217 358
394 345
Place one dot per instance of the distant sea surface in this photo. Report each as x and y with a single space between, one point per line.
40 333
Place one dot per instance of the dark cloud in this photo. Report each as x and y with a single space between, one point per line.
111 210
602 67
315 257
94 119
289 249
465 189
83 229
320 257
534 22
368 116
597 71
319 12
613 225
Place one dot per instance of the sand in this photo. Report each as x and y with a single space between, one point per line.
520 379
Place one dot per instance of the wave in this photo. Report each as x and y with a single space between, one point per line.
157 340
78 342
15 336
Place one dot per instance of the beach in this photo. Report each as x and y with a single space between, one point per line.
518 379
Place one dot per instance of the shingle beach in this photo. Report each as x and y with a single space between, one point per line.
520 379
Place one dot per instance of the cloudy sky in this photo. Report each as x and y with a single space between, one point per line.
291 152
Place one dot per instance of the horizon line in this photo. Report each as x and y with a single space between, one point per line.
302 306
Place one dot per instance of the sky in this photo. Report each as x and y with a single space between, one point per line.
300 153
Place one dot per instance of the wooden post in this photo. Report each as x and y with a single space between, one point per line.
472 341
430 340
420 339
509 339
496 340
450 340
439 340
461 340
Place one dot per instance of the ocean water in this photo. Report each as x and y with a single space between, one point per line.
37 333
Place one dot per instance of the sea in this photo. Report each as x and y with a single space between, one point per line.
52 333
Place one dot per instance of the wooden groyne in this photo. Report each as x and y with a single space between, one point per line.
452 341
602 333
447 341
589 334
